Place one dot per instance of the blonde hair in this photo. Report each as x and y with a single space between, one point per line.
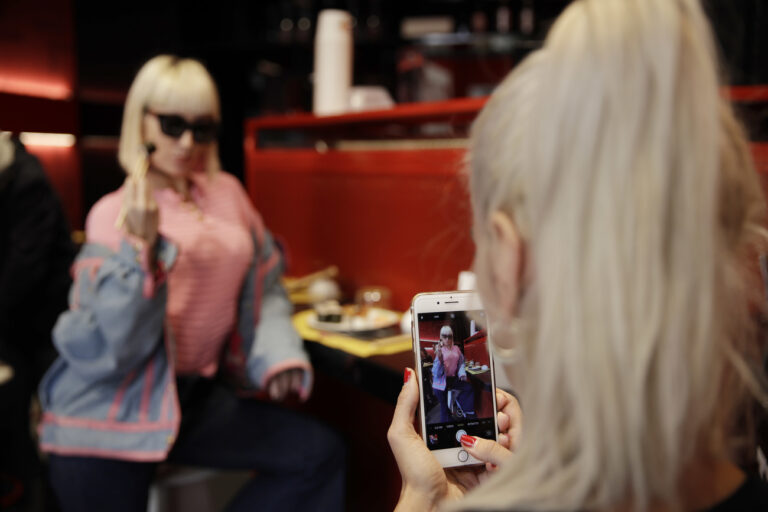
7 150
631 183
446 329
166 83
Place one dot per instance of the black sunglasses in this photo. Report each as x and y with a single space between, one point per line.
174 126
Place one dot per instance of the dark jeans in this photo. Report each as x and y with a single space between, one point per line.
465 398
442 398
300 463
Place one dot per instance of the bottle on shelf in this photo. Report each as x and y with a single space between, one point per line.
527 18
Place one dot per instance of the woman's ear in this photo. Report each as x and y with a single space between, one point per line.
507 260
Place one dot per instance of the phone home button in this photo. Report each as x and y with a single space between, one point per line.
463 456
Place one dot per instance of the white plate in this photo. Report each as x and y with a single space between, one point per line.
375 319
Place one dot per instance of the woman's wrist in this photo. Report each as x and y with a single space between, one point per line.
414 499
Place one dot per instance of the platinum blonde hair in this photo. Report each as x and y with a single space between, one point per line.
632 186
446 329
7 150
166 83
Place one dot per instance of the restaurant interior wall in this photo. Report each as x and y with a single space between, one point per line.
38 82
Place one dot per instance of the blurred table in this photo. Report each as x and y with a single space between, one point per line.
373 365
355 394
481 375
380 376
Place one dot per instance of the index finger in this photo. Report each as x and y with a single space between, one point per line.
502 399
485 450
296 378
272 389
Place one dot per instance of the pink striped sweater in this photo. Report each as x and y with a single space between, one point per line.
212 233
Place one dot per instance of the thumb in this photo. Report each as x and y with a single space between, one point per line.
402 436
485 450
405 410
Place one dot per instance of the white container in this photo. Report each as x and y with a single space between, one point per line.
369 97
333 63
467 280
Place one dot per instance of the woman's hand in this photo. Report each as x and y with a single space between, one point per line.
425 482
510 419
141 215
490 452
285 382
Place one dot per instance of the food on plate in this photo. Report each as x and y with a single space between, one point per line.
329 311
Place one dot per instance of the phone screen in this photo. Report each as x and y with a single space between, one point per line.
456 377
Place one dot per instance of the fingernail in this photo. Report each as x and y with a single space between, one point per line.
468 441
406 376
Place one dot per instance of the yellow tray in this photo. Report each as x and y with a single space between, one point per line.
350 344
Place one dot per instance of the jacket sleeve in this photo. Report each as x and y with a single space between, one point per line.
462 372
116 310
437 369
276 345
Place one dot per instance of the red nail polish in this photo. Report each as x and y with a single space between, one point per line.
406 376
468 441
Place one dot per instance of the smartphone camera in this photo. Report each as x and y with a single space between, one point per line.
457 399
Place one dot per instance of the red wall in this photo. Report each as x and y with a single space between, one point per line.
37 84
37 48
62 165
398 219
430 330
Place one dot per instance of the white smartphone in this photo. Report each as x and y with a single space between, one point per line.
455 371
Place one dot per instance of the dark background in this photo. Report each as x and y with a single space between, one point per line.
262 69
260 53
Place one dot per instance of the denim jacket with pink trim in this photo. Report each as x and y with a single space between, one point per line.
112 392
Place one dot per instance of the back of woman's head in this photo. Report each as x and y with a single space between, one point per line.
630 181
168 84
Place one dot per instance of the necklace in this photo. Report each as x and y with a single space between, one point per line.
192 207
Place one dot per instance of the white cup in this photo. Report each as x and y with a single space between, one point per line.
333 63
467 280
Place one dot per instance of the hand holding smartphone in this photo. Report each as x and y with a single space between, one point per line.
455 370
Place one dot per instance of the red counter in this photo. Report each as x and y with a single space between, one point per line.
368 192
380 194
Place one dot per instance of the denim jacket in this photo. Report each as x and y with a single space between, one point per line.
112 391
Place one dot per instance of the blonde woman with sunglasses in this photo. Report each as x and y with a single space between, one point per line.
616 213
176 316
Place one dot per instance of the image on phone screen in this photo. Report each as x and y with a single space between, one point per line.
456 377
